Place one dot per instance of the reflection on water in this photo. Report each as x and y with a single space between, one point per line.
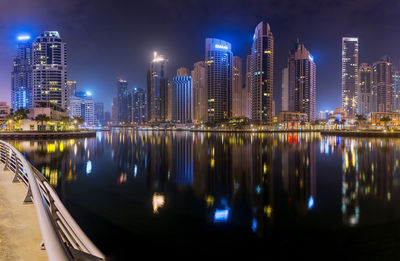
248 183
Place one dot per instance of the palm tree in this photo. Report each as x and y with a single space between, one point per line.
66 121
42 118
360 119
78 121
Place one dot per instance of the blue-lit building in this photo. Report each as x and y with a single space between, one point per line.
21 75
182 97
218 60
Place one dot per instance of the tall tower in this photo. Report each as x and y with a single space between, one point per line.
21 76
219 79
396 91
285 89
182 97
302 81
123 101
246 95
237 86
349 74
365 100
138 105
200 94
157 89
382 86
262 76
50 69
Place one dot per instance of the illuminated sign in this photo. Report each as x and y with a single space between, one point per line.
23 37
220 46
310 57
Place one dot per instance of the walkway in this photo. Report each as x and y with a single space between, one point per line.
20 235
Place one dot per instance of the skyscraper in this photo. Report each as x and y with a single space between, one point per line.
199 81
70 90
349 74
396 91
21 76
218 59
157 89
237 86
123 101
182 97
99 113
302 81
50 69
382 86
285 89
365 100
246 93
138 105
262 74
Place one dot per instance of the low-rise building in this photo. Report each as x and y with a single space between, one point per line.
4 110
51 110
393 118
292 118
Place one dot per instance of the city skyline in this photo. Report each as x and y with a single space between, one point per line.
98 77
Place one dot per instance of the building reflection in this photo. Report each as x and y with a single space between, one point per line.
370 169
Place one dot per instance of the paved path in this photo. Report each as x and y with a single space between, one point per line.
20 235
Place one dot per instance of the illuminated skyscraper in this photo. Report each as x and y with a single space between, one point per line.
123 101
157 89
138 105
182 97
200 103
396 91
349 74
262 70
50 69
246 93
70 89
99 113
21 76
237 86
82 105
382 86
365 100
302 81
285 90
219 79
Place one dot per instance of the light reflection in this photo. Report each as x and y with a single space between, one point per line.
158 202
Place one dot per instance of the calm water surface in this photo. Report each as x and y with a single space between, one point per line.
185 194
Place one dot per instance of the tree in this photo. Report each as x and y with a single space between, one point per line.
66 121
360 119
386 119
42 118
78 121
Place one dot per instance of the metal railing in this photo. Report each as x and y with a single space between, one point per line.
63 239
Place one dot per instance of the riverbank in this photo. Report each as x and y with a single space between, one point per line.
46 135
249 131
367 134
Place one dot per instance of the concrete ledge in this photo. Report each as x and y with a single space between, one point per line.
46 135
379 134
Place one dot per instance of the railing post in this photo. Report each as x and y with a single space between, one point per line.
7 159
28 197
16 172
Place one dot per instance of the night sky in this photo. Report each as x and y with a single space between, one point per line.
110 39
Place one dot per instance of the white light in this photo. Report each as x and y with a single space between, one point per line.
220 46
23 37
88 93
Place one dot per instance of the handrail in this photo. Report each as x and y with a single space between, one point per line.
62 236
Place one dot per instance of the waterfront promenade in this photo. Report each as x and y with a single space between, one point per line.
20 235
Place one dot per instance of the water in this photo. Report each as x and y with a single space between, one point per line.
182 194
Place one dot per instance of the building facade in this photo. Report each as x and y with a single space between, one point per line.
182 98
302 81
200 94
285 89
50 69
123 101
99 114
262 74
157 89
21 75
246 93
396 91
382 86
218 59
349 74
237 86
365 101
82 105
70 90
139 105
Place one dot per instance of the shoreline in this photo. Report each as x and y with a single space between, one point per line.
361 134
46 135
